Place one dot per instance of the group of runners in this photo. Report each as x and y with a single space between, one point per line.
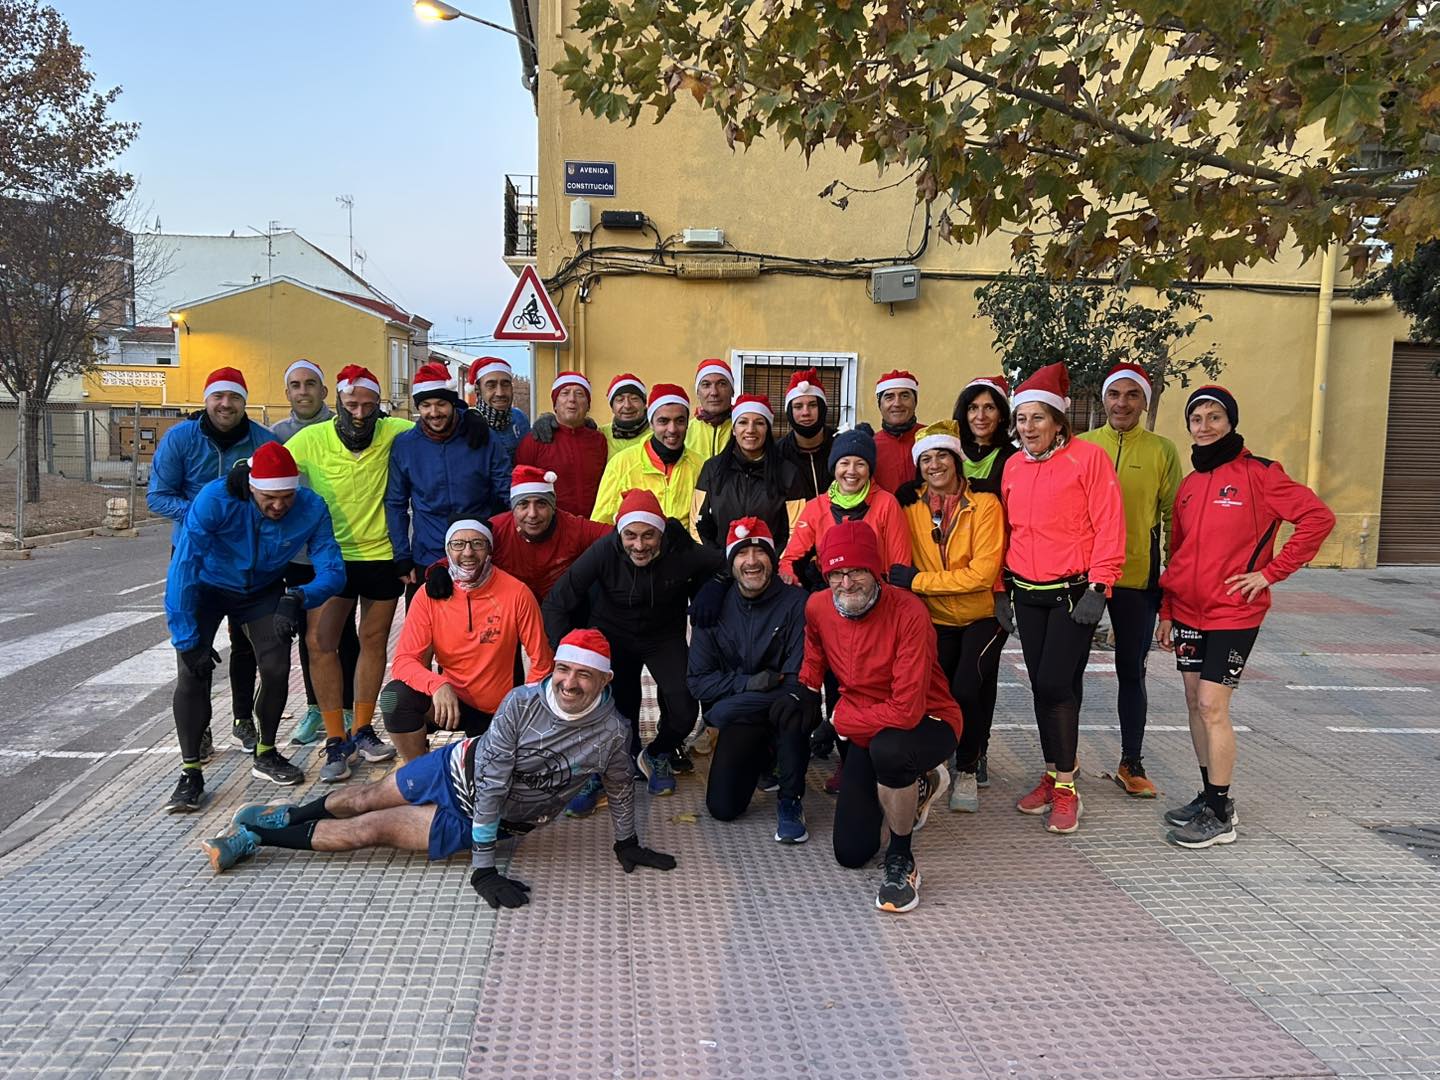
827 592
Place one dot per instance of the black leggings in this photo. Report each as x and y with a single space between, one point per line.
242 672
970 658
1056 649
405 709
895 758
255 614
302 574
667 661
1132 614
745 749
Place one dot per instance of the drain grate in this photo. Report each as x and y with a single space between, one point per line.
1422 840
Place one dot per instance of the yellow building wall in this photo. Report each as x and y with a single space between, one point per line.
681 174
261 332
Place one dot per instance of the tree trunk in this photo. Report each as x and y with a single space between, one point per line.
34 419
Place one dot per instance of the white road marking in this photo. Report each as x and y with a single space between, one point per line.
11 616
1088 667
140 588
1365 689
153 667
1173 728
1385 730
96 755
37 648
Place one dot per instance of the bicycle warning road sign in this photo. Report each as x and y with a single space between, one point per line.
530 315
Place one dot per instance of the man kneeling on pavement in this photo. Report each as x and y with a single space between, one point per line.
744 666
545 741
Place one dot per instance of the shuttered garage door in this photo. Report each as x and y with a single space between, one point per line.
1410 497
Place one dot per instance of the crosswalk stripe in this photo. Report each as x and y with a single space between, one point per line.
25 652
153 667
1385 730
11 616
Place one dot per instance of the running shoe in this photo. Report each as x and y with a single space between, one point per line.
1037 800
790 822
369 746
1181 816
309 728
337 761
964 795
768 782
932 786
225 851
832 785
1065 807
207 746
1131 776
263 815
659 777
900 888
703 743
680 761
588 799
189 793
1204 830
822 740
272 766
244 733
982 771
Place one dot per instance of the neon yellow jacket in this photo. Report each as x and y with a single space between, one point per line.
1148 468
616 444
635 468
707 440
352 485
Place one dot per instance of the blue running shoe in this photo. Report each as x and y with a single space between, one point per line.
588 799
263 815
337 761
369 746
790 822
659 776
309 729
225 851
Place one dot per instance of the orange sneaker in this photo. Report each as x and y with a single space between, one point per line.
1038 800
1131 776
1065 807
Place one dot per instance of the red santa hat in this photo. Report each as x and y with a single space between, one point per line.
804 384
487 365
1050 385
469 523
568 378
272 468
749 532
758 404
585 647
665 394
625 381
639 507
850 545
897 380
355 377
433 380
713 366
304 365
1128 371
528 480
226 379
998 383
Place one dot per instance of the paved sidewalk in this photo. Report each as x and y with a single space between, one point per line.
1309 948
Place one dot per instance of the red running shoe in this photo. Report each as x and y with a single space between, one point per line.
1038 800
1065 807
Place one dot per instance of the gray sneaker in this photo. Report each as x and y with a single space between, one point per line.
337 761
1183 815
932 786
965 794
1204 830
369 746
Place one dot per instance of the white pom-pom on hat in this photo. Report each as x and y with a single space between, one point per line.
741 531
551 477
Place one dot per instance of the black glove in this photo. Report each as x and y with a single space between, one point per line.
1005 612
499 891
810 702
289 614
763 681
1091 606
705 608
402 567
808 574
544 428
902 576
631 855
200 662
789 712
477 431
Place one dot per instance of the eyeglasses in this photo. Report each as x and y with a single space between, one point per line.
856 574
479 546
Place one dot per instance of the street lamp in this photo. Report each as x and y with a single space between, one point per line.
438 11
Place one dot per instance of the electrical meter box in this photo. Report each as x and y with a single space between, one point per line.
894 284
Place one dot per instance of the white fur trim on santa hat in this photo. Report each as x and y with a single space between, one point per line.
469 523
1137 377
897 384
805 389
533 487
490 369
573 654
571 379
983 381
357 384
639 517
627 384
742 534
304 365
219 386
746 408
275 483
938 441
1055 401
661 401
430 387
714 367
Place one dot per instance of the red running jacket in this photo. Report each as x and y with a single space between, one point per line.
539 563
886 661
1225 524
577 456
893 464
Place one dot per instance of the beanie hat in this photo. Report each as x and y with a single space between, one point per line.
1128 371
850 545
897 380
749 532
469 523
226 379
1221 397
713 367
941 435
998 383
1049 386
585 647
272 468
804 384
568 378
639 507
758 404
304 365
625 381
355 377
853 443
487 365
663 394
433 381
527 480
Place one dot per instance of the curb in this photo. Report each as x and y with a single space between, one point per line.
49 539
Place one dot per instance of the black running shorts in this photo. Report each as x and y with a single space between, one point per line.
1219 656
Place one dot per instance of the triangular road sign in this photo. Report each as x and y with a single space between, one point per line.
530 316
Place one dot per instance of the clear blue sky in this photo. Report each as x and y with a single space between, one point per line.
261 110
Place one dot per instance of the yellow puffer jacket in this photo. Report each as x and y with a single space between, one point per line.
956 580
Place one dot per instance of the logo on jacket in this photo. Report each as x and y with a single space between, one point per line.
1228 495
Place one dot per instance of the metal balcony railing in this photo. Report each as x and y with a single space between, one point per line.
521 206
